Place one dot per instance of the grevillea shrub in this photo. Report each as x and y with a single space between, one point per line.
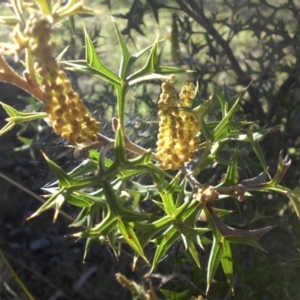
139 197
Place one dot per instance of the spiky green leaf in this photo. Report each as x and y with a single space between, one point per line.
97 66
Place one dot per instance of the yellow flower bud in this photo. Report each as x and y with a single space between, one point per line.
177 137
67 113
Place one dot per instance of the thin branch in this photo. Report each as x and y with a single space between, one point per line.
103 141
27 191
242 78
7 74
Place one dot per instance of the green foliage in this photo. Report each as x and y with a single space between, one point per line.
190 205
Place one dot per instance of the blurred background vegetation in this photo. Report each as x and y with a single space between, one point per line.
218 41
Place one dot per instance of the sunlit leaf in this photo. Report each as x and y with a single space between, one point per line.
222 100
257 149
107 225
227 263
168 201
7 127
164 242
26 141
151 64
283 166
8 20
172 295
294 196
214 260
120 154
49 203
45 6
63 178
147 231
71 8
131 238
143 78
94 62
81 199
16 116
246 240
220 130
194 253
17 7
88 244
81 217
59 202
232 175
165 70
124 67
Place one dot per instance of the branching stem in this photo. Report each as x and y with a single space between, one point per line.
7 74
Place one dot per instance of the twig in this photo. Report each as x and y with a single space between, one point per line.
103 141
237 191
17 278
24 189
197 14
7 74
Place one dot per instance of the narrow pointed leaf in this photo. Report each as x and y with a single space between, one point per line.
16 116
17 6
45 6
107 225
7 127
111 198
88 244
81 218
59 202
87 166
12 112
172 295
222 100
221 130
245 240
226 92
192 249
81 199
260 179
120 154
134 57
227 263
124 67
165 70
151 64
72 8
94 62
63 178
27 117
294 196
168 201
8 20
50 203
134 79
114 245
232 175
257 149
169 237
26 141
131 238
214 260
147 231
283 166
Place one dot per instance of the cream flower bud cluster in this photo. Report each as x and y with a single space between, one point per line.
67 114
177 137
